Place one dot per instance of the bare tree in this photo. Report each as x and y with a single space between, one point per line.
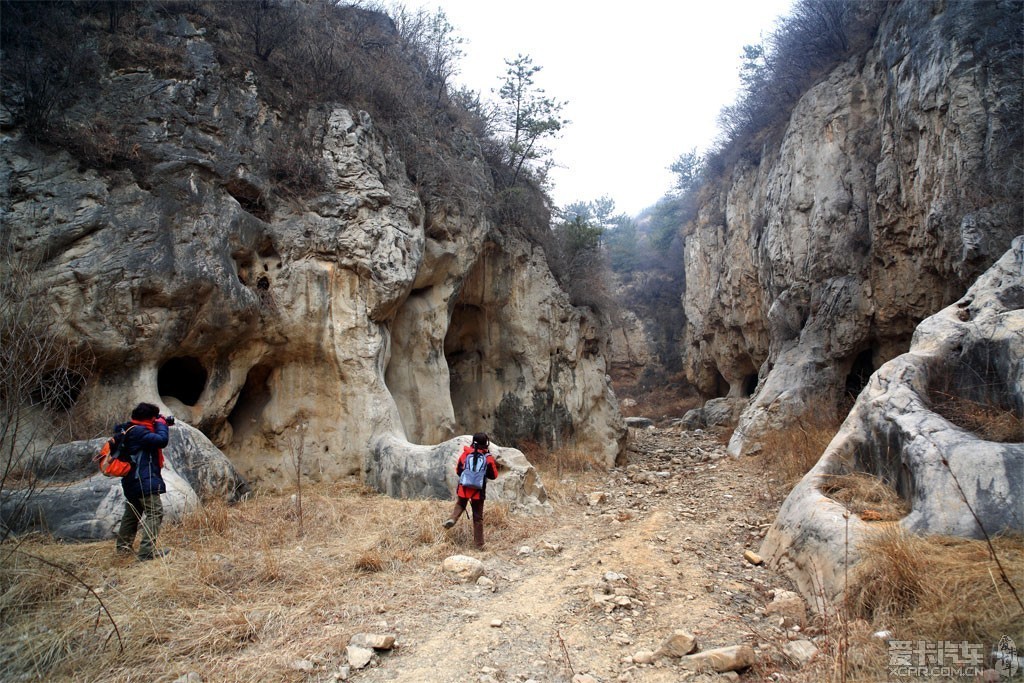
269 24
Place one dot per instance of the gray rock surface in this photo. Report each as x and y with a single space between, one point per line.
895 184
85 505
973 349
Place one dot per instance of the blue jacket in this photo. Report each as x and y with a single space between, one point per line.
143 445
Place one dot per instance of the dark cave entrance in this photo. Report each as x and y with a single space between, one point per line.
749 385
861 369
464 352
721 385
183 378
246 416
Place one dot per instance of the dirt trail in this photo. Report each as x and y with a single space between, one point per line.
662 551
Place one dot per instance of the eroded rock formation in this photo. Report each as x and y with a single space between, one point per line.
351 317
894 185
953 478
79 503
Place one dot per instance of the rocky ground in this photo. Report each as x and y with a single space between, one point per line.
634 556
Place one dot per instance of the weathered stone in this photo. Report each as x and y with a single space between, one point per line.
639 422
949 473
731 658
800 652
678 644
597 497
352 321
644 657
404 470
790 606
466 568
752 557
377 641
358 657
89 505
809 267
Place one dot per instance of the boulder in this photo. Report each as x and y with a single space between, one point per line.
466 569
87 505
956 480
721 659
404 470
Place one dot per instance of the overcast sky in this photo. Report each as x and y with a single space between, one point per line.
644 79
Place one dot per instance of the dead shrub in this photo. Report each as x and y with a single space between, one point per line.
866 495
974 392
559 461
788 454
370 560
989 422
938 587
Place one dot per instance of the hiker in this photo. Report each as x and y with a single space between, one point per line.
475 466
144 438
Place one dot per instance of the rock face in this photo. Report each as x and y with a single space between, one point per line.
895 184
325 325
973 350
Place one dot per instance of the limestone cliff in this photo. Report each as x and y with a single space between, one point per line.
354 310
894 184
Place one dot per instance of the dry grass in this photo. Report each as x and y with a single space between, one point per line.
242 594
564 470
939 587
787 455
867 496
989 422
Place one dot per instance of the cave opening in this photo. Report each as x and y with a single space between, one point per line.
183 378
721 385
861 369
749 385
463 352
252 399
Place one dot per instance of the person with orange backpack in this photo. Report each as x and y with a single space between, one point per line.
144 438
475 466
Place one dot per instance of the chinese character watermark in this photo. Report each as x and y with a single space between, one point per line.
951 659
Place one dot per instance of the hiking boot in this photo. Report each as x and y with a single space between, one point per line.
160 552
124 550
448 523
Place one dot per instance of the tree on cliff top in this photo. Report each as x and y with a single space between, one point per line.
526 115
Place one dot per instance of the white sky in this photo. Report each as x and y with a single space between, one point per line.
644 80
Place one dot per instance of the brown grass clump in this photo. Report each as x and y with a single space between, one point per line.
867 496
562 470
787 455
242 592
939 587
989 422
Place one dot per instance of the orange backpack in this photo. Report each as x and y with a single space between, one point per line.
112 459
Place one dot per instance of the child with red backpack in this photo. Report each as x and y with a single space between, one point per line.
475 466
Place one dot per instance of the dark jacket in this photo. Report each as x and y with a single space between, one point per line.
142 443
492 473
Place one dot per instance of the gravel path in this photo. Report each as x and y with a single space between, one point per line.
636 554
